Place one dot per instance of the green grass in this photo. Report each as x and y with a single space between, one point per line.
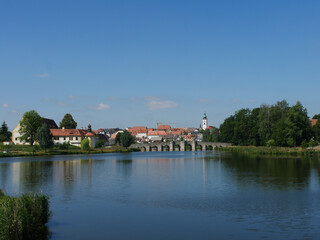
24 217
63 149
277 151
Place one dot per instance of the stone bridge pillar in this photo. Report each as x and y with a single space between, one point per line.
193 146
147 148
159 148
171 146
182 146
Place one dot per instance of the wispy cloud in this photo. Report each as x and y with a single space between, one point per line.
156 103
99 107
5 105
41 75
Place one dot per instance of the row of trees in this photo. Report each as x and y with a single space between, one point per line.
277 125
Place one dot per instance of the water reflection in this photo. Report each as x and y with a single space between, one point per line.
188 194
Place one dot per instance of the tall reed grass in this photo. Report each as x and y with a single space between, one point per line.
24 217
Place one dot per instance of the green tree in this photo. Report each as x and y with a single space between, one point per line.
44 137
29 125
253 125
85 145
4 133
316 131
126 139
227 130
118 138
299 127
206 135
68 122
317 116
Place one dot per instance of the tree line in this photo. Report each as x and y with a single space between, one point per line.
275 125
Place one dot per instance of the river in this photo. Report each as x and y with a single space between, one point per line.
172 195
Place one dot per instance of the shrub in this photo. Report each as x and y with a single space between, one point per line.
85 144
100 143
24 217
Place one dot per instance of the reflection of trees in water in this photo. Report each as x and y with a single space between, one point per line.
269 171
124 167
35 176
4 173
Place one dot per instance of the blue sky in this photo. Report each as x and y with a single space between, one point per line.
124 63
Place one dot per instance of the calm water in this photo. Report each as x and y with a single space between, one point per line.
172 195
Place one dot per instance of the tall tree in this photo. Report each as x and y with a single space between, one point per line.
299 126
4 133
44 136
68 122
29 125
126 139
227 130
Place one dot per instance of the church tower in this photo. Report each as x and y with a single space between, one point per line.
204 122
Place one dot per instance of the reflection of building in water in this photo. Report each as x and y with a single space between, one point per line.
15 175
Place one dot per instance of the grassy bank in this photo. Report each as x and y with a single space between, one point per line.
19 150
24 217
278 151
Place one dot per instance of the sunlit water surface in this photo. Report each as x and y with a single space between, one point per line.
172 195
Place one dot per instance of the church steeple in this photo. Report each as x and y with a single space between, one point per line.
204 121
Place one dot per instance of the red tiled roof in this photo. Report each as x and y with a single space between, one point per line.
156 133
90 134
113 136
165 127
313 122
67 132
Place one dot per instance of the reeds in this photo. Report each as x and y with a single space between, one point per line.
24 217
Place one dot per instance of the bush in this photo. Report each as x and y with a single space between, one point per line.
64 146
85 144
100 143
24 217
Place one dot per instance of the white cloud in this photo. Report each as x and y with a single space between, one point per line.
100 106
155 103
5 105
42 75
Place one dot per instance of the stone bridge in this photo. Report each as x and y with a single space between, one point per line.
178 146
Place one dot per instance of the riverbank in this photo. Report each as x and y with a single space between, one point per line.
277 151
28 151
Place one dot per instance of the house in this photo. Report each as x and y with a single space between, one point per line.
16 131
72 136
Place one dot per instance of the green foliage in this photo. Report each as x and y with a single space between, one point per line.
118 138
29 125
286 126
44 137
271 143
68 122
85 145
317 116
24 217
126 139
5 135
100 143
316 131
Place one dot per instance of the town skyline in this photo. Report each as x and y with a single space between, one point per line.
119 64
